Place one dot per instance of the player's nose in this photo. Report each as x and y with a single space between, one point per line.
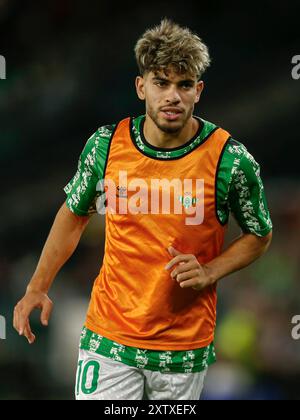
172 96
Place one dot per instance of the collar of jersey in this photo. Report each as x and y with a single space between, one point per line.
137 127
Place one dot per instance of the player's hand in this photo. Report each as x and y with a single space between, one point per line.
32 300
188 272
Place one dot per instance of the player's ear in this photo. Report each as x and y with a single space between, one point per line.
140 87
199 88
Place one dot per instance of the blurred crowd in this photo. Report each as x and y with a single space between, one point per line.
71 69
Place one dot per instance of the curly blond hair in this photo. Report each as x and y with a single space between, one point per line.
170 45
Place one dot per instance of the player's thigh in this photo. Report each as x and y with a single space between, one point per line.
174 386
101 378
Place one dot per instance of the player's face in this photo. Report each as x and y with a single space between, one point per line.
170 98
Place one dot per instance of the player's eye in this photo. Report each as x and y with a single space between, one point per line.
187 85
160 83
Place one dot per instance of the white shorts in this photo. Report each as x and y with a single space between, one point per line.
101 378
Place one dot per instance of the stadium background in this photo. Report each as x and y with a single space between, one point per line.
71 69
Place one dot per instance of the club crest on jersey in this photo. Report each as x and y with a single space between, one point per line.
188 201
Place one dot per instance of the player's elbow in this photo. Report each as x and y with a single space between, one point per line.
268 238
265 241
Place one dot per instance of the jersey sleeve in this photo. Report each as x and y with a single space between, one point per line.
85 188
246 198
82 189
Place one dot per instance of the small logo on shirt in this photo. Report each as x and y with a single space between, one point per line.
121 192
187 200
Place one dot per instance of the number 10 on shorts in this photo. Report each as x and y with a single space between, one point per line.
87 377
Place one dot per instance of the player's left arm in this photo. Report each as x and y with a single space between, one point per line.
248 204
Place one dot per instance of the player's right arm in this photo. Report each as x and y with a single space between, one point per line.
72 218
60 245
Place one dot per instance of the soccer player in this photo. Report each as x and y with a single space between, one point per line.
166 182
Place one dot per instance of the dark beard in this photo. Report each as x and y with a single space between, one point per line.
169 129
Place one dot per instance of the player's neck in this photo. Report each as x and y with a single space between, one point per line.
158 138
